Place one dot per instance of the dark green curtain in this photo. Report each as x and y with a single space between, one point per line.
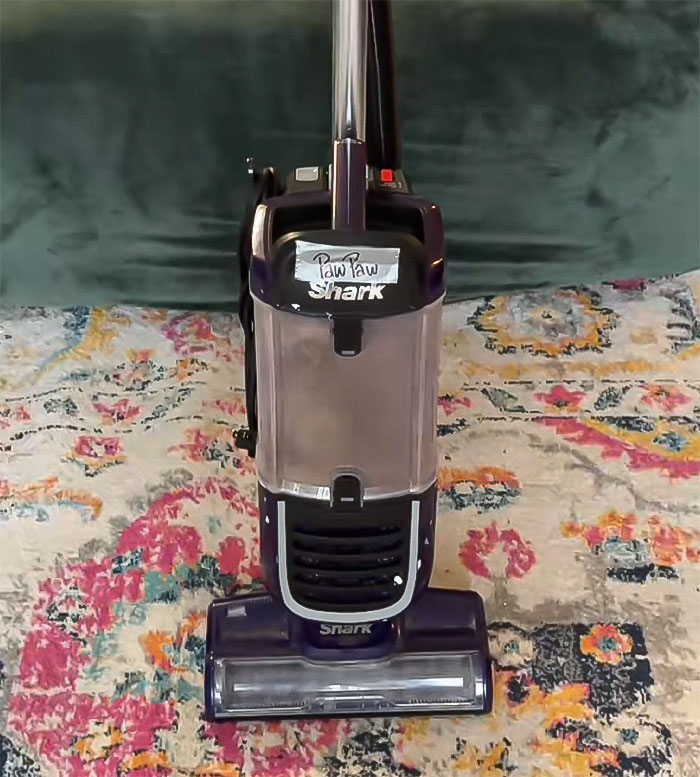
561 138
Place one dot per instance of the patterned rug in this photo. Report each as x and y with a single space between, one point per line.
569 498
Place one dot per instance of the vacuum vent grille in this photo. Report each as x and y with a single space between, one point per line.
358 563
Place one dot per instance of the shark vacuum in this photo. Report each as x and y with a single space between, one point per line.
342 283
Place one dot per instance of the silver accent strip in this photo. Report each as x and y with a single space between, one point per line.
258 233
347 617
323 493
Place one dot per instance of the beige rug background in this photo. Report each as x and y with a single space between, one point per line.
569 498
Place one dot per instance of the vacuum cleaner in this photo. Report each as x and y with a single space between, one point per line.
342 285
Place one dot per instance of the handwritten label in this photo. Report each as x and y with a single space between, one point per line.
318 263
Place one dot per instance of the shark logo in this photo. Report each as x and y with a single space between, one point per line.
349 292
346 628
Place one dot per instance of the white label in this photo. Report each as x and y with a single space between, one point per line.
318 263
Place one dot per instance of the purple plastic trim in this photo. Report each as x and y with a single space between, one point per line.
262 276
349 190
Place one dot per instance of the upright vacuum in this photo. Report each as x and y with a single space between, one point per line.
342 285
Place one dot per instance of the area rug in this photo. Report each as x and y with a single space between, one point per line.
569 424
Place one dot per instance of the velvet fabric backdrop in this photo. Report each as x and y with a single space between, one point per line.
559 137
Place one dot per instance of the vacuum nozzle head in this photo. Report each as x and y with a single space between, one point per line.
264 662
403 684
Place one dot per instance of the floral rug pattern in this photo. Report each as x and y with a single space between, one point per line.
569 427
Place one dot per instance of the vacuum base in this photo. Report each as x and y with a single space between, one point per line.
264 662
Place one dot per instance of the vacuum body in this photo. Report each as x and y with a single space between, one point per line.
347 398
344 281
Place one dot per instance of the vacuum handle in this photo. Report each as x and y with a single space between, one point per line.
349 179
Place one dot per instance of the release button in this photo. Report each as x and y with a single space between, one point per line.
347 494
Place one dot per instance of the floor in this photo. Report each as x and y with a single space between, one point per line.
569 473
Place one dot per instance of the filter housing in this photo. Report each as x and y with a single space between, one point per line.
347 341
371 415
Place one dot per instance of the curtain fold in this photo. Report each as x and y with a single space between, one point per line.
560 138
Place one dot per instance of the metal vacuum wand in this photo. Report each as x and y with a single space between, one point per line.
348 193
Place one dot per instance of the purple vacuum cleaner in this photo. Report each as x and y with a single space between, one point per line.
342 284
